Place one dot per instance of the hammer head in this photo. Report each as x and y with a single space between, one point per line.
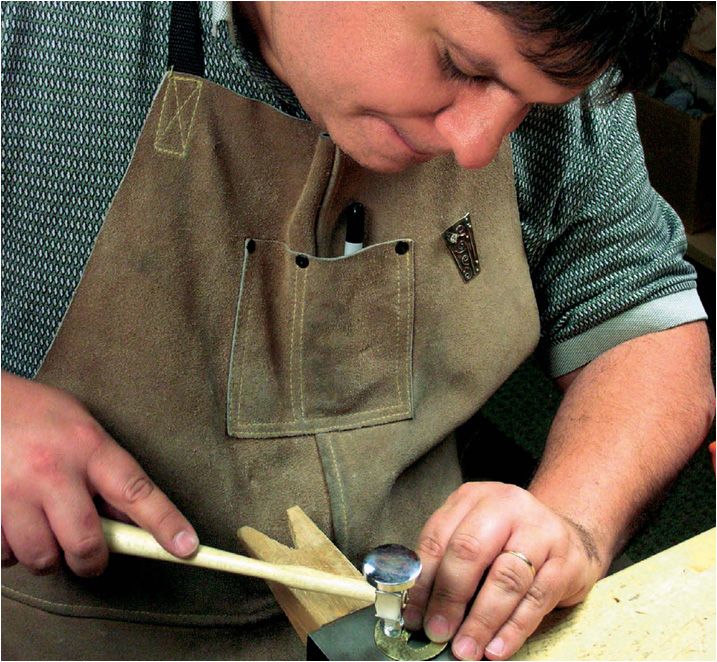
352 638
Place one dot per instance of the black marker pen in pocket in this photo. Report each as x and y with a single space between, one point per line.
355 215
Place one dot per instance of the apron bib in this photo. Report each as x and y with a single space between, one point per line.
221 338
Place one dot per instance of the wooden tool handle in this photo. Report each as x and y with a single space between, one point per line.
126 539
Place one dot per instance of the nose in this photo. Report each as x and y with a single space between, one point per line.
475 124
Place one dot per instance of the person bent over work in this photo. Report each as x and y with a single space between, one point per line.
187 347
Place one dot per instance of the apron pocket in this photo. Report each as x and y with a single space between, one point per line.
321 344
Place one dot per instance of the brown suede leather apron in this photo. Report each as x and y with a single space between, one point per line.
245 380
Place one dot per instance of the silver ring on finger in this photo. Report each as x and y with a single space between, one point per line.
523 558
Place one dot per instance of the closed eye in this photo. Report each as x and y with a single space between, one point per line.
452 72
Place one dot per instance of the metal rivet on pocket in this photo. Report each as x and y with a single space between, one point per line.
250 246
302 261
402 247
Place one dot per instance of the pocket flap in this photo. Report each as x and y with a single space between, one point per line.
321 344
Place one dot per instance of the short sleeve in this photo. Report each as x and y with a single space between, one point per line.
605 250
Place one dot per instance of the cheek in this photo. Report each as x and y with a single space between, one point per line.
404 83
328 84
394 90
341 70
339 82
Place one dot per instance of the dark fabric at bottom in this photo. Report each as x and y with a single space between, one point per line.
33 634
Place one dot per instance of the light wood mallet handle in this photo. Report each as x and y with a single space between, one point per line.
126 539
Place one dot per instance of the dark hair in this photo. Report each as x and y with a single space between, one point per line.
632 41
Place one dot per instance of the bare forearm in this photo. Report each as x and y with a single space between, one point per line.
628 423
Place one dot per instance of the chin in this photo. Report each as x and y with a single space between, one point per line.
380 162
387 167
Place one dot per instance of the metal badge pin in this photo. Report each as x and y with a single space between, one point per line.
461 243
393 570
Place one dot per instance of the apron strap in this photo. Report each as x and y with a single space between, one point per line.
186 53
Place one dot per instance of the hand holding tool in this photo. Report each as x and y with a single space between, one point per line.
127 539
390 570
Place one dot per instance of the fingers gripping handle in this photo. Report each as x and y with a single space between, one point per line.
133 541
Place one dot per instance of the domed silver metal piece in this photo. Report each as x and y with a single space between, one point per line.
392 568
